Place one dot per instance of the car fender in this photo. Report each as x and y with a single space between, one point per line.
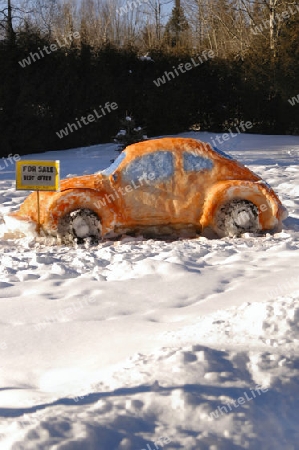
70 200
259 193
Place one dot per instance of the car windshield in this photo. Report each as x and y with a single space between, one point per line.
114 165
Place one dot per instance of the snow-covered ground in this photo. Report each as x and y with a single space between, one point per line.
145 344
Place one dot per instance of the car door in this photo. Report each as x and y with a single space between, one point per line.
147 186
195 174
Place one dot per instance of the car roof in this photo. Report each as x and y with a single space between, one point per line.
176 144
179 145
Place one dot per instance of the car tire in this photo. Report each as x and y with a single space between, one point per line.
80 224
237 217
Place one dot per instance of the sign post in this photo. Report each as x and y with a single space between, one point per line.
37 176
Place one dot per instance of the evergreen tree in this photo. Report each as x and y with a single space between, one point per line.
128 133
176 26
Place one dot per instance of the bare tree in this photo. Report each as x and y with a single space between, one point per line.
6 21
155 19
65 22
266 18
229 26
44 15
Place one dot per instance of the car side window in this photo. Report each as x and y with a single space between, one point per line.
196 163
156 166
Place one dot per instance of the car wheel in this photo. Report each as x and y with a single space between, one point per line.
237 217
79 225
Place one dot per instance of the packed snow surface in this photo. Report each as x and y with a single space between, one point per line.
150 344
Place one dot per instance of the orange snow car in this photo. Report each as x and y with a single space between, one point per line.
160 186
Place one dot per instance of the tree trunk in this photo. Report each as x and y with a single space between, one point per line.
178 8
273 25
10 34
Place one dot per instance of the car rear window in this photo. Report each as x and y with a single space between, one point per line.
196 163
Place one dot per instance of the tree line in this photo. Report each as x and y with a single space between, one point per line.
62 62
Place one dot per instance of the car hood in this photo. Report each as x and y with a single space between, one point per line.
83 182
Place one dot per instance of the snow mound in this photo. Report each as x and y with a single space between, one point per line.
11 228
273 323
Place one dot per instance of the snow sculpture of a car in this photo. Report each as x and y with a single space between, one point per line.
160 186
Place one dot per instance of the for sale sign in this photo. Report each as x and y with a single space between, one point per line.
37 175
